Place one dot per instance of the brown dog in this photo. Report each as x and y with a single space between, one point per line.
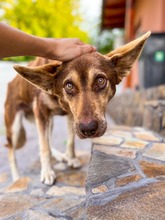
80 88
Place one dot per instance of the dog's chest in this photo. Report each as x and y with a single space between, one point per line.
51 102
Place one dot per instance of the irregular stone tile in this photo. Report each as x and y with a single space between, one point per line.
36 215
104 167
11 204
120 133
128 179
139 129
146 136
94 180
61 191
35 166
116 151
20 216
134 143
19 185
3 177
121 128
72 178
2 189
100 189
147 202
107 140
152 169
157 151
38 192
63 203
78 213
111 184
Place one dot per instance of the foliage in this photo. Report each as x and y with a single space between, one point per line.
45 18
107 40
19 59
104 41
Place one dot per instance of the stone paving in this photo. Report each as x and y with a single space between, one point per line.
29 199
123 179
126 177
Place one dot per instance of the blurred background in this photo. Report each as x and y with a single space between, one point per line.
107 24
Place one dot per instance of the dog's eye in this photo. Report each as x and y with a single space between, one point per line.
101 82
69 88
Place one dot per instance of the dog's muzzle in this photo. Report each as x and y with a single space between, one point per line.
90 129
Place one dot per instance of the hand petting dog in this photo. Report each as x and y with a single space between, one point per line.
14 42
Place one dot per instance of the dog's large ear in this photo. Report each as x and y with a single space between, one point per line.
41 76
124 57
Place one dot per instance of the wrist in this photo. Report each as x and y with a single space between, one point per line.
48 48
39 46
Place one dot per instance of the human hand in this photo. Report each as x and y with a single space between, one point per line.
66 49
14 42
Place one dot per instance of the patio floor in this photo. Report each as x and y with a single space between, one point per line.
123 179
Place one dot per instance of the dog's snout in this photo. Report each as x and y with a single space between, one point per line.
88 129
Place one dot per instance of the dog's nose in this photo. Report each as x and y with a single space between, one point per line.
88 129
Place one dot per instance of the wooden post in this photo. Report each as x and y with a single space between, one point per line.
129 33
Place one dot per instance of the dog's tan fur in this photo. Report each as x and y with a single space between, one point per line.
80 88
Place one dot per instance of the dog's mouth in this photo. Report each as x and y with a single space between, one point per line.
90 130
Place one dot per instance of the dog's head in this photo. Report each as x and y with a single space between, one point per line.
86 84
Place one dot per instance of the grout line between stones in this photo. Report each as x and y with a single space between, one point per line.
142 151
136 164
112 194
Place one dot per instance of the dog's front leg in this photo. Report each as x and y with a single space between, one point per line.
69 156
47 173
71 159
43 123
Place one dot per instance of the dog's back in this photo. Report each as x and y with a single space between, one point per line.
19 104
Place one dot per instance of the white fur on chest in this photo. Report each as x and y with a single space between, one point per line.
48 101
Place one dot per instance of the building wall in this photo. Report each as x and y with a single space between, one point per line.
140 108
149 15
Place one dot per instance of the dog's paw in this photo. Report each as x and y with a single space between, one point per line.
73 162
60 157
48 176
16 176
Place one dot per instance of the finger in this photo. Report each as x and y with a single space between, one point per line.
87 48
78 41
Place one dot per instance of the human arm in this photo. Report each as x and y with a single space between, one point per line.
14 42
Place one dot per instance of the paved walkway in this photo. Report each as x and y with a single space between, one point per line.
125 180
126 177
